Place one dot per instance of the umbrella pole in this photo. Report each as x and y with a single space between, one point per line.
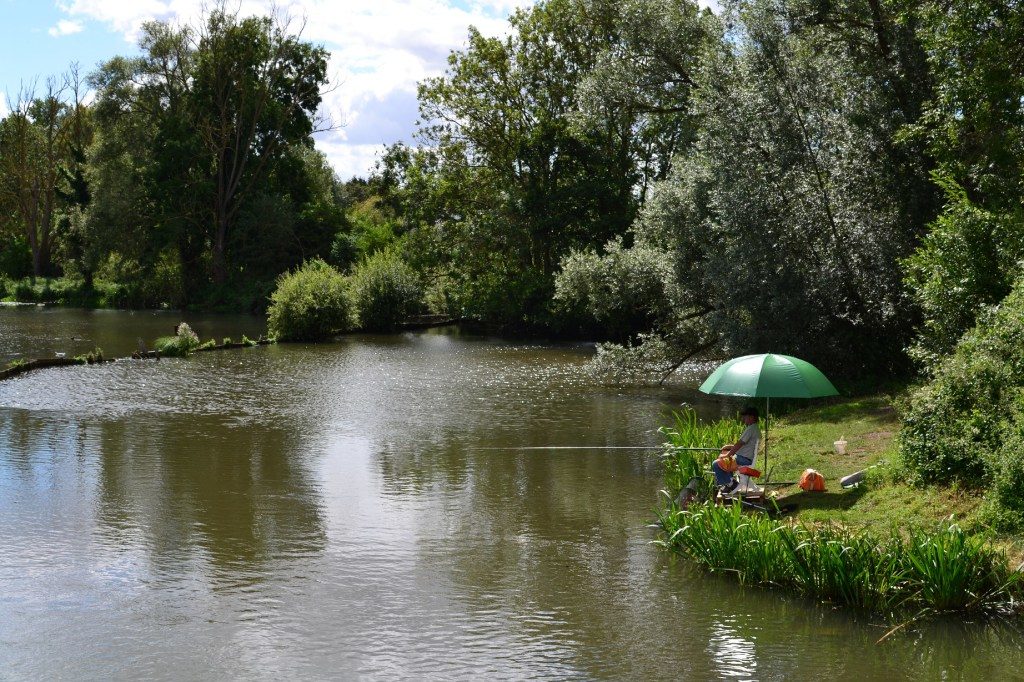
767 414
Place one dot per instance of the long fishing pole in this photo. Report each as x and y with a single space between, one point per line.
593 447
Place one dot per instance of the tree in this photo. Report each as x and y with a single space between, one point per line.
207 128
33 150
255 90
787 218
974 126
515 179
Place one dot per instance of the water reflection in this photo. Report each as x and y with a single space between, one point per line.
363 509
241 498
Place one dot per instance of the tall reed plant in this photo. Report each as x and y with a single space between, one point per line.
926 571
691 446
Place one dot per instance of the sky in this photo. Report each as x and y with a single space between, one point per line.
379 50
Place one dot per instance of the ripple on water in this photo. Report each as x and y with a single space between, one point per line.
331 511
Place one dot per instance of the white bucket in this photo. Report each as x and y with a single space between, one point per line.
840 446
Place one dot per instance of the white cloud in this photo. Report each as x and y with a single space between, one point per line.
380 50
65 27
3 107
348 159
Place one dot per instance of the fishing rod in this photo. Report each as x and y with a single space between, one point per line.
593 447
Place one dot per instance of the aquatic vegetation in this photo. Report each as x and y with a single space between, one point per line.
688 431
92 357
183 344
924 572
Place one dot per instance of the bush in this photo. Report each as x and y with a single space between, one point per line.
310 304
968 261
15 258
180 345
386 291
625 290
963 426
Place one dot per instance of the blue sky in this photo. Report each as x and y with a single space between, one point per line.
379 50
27 50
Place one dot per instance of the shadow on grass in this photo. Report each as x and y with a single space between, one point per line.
828 500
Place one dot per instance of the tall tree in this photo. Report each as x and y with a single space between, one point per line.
524 179
33 150
788 217
255 90
196 129
974 125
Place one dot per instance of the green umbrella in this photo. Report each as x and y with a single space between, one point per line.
768 376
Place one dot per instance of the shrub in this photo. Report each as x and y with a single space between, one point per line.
625 290
386 291
181 345
310 304
963 424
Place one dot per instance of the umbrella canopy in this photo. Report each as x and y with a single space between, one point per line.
768 376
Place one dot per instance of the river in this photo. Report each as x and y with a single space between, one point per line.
359 509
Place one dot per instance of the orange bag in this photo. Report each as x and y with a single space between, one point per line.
812 481
727 464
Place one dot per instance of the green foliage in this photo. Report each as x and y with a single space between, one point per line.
310 304
92 357
203 149
968 261
963 424
510 178
385 291
682 461
930 571
788 217
624 290
15 258
181 345
974 125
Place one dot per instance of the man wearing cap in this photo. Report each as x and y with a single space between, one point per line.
744 450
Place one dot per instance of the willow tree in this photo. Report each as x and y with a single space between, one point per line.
788 217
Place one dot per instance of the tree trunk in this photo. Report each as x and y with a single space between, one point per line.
219 264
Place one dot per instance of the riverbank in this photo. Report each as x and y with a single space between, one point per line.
804 439
865 546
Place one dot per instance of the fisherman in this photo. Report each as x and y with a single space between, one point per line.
744 450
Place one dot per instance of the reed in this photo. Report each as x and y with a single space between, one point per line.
687 431
933 571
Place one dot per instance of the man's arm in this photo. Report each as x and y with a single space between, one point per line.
736 448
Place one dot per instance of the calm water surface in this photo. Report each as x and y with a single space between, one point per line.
352 510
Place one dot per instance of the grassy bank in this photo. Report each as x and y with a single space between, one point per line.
803 439
72 292
885 545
